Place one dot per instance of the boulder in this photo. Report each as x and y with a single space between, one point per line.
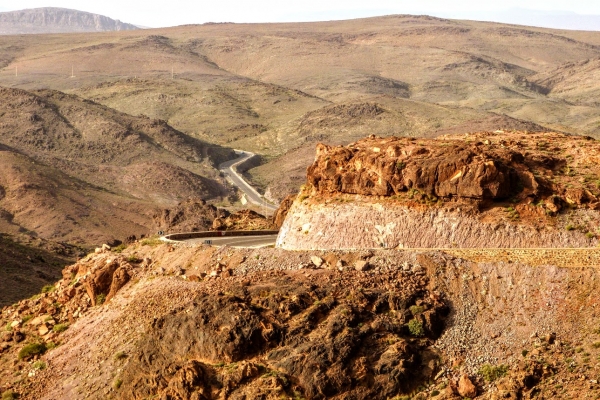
43 329
466 387
362 265
317 261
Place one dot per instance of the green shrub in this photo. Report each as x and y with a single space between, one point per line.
121 355
416 310
119 248
117 383
27 318
490 372
48 289
58 328
589 235
415 327
100 299
31 350
133 259
569 227
153 241
9 395
8 327
39 365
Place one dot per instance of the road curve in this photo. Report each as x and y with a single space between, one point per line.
228 168
237 241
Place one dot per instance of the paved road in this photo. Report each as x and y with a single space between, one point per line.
228 168
238 241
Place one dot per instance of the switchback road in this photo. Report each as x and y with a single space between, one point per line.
228 168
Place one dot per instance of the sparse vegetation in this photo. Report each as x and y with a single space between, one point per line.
100 299
153 241
416 310
31 350
119 248
117 383
9 395
48 289
490 372
415 327
58 328
39 365
133 259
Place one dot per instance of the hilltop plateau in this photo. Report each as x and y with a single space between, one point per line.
499 189
57 20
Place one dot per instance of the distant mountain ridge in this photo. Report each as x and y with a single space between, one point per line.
57 20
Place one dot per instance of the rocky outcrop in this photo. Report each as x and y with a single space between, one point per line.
481 168
57 20
192 215
282 211
283 338
243 220
478 190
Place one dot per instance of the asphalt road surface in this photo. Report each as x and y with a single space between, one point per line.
238 241
228 168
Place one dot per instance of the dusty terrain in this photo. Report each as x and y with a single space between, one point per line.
200 322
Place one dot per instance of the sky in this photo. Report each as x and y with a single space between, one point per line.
582 14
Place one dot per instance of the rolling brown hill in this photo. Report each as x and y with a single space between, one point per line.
279 89
274 88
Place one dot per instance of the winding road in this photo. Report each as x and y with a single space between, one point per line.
228 168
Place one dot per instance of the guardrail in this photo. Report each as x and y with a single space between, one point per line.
177 237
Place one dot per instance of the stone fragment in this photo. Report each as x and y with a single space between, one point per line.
39 320
466 387
43 329
317 261
362 265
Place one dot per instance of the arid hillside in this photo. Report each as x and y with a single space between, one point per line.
77 171
185 322
278 89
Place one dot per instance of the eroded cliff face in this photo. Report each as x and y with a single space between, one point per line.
474 190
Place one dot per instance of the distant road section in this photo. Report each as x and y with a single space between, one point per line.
228 168
237 241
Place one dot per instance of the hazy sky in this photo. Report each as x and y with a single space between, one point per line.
155 13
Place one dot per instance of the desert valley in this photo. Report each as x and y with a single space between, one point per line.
397 207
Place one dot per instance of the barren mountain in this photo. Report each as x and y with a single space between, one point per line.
57 20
